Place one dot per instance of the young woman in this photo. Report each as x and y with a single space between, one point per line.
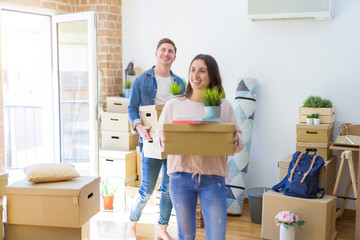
203 176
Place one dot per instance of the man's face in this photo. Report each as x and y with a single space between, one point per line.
165 54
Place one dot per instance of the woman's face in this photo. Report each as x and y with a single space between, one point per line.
199 76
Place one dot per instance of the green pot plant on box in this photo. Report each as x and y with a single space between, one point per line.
316 104
174 88
107 196
309 119
127 87
212 101
316 117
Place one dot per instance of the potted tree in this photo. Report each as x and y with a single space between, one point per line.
127 87
107 196
309 119
212 100
316 117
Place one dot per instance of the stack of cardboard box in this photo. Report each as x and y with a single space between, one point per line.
3 182
52 210
117 156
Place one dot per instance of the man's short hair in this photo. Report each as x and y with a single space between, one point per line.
166 40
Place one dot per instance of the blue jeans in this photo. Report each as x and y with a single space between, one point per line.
150 169
184 190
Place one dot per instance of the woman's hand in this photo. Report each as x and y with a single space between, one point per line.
144 132
238 142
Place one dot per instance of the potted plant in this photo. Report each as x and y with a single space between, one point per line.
174 88
107 196
287 221
127 87
309 119
316 117
316 104
212 100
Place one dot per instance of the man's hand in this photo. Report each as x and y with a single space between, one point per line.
144 132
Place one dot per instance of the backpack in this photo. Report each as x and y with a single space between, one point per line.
302 179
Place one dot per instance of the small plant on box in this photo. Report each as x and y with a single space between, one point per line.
316 117
309 119
174 88
212 97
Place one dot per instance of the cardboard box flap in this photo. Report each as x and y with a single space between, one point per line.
323 126
115 154
150 108
350 129
312 145
71 187
348 140
4 176
221 127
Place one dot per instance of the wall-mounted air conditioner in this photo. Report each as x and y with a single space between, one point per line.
287 9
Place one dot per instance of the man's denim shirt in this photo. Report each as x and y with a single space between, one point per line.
143 92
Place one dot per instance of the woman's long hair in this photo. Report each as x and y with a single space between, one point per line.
213 71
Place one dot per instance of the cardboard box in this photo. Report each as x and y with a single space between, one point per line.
117 104
327 115
322 133
3 182
115 122
199 139
319 215
150 115
120 164
68 203
1 220
322 148
114 140
327 173
29 232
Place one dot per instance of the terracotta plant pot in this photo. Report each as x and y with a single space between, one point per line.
108 202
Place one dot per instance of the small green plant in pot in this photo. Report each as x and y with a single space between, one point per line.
108 196
316 117
212 101
127 87
309 119
174 88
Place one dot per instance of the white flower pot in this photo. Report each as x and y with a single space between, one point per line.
287 233
316 121
309 121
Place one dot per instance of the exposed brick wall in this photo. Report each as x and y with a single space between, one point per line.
109 44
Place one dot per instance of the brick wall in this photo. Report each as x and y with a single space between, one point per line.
109 44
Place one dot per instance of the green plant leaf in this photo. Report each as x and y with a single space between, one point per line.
174 88
212 97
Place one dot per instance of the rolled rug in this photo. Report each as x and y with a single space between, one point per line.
238 163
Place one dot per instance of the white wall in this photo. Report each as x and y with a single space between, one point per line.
290 58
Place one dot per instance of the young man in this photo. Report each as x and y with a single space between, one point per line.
152 88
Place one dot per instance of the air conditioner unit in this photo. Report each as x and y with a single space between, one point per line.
287 9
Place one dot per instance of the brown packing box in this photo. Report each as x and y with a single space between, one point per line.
115 121
319 215
327 115
68 203
115 140
314 133
29 232
120 164
117 104
202 139
322 148
150 115
1 219
3 182
327 173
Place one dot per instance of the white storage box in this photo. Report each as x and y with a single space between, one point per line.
150 115
117 104
121 164
68 203
114 140
115 121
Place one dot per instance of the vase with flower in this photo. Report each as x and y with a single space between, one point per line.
287 221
